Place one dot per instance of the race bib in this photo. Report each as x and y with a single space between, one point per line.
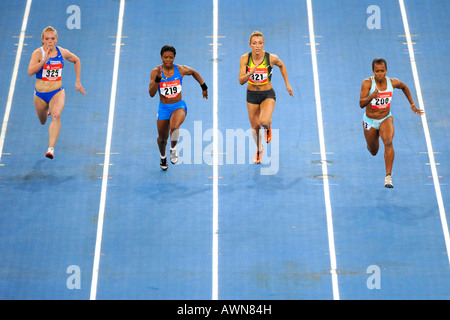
259 77
170 89
383 101
52 72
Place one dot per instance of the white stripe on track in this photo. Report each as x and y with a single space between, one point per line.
437 187
101 212
14 77
326 189
215 226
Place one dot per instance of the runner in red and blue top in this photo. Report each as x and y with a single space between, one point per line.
376 97
167 80
47 63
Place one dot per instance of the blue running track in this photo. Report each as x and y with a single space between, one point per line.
274 240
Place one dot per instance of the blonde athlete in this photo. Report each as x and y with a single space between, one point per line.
376 97
256 69
47 63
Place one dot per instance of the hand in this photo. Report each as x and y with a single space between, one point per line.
252 70
160 71
375 93
289 89
47 54
79 87
205 94
417 111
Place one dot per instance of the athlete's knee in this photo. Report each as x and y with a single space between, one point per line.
174 127
56 116
387 143
264 122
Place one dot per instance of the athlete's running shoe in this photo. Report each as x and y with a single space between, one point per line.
268 132
258 156
388 181
50 153
173 155
163 163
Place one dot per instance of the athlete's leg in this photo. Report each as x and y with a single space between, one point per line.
56 107
41 109
372 140
387 135
163 135
176 119
254 112
265 116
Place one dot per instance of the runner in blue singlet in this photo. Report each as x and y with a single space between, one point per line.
167 80
47 64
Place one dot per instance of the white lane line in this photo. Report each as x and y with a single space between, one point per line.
101 212
14 77
333 271
215 226
437 187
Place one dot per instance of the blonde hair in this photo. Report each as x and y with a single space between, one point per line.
46 29
256 34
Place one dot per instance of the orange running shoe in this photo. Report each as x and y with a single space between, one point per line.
268 132
258 156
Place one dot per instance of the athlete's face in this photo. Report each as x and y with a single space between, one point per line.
49 39
168 58
379 70
257 44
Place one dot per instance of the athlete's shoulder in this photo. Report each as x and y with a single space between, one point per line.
396 83
246 55
367 83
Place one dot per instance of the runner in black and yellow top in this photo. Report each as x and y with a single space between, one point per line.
256 69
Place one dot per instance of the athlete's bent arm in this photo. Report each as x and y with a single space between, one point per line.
36 63
185 70
400 85
243 75
153 86
77 65
280 64
365 98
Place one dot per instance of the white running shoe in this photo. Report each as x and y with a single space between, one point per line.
388 181
50 153
173 156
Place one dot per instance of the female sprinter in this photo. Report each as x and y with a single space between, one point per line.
167 79
376 97
47 63
256 69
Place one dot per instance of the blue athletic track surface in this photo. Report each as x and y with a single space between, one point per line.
312 222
